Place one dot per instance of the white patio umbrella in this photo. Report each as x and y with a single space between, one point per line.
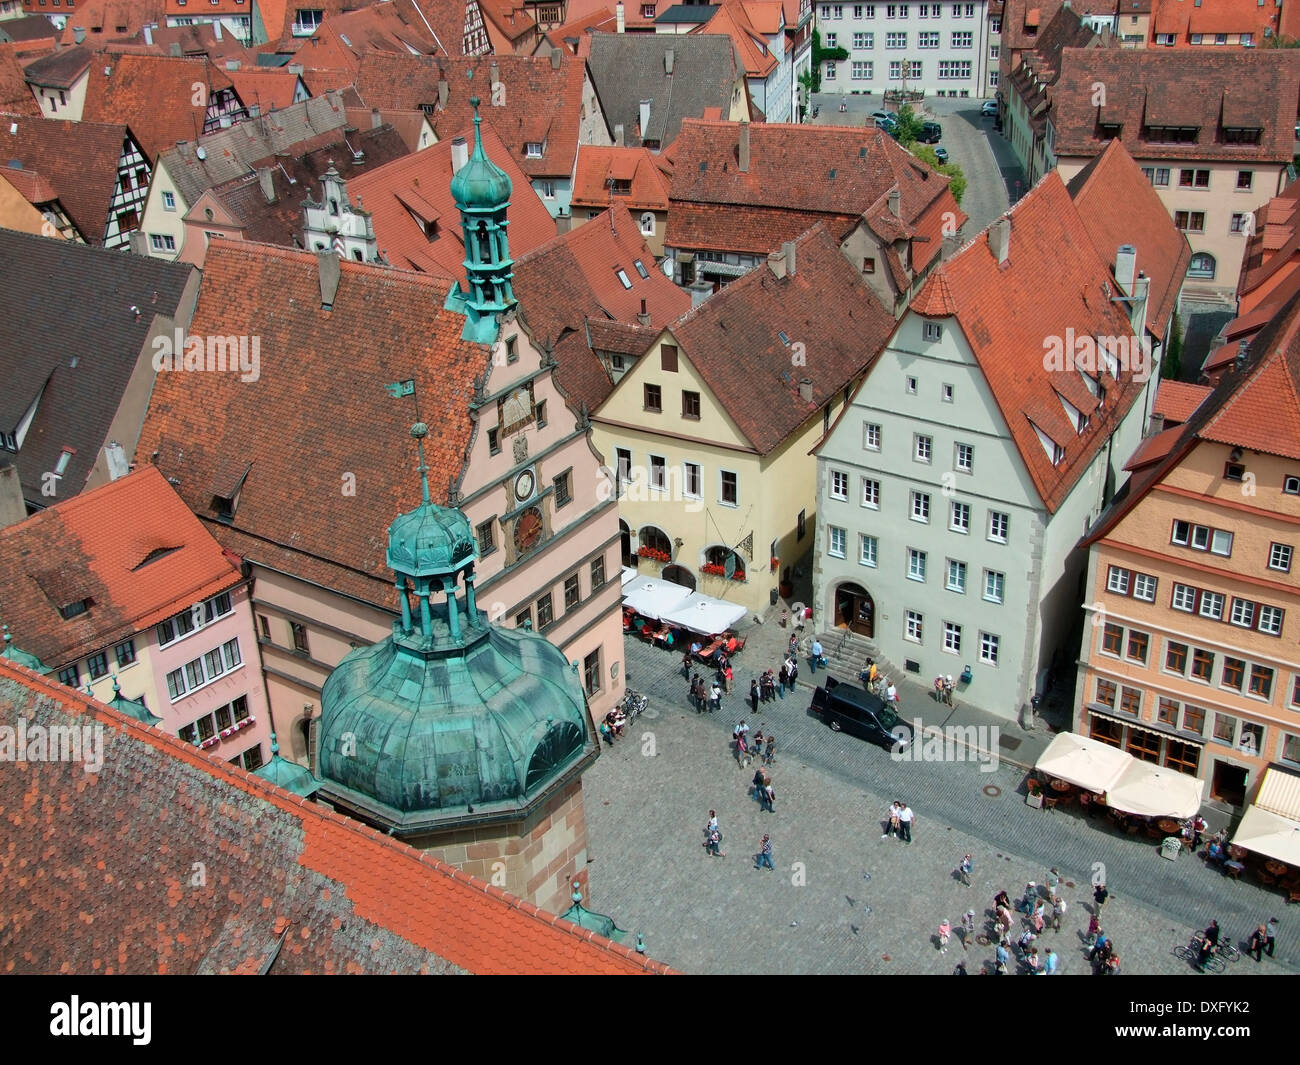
1269 834
1089 764
651 597
704 614
1153 791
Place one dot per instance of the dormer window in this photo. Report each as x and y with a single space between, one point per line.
640 269
65 456
1242 135
334 206
623 278
306 21
74 609
620 188
1109 130
533 150
1170 134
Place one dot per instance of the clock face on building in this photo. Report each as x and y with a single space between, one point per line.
528 529
524 485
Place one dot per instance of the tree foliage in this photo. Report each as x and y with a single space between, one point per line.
909 126
821 55
957 181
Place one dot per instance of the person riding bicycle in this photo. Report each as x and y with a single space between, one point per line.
1209 944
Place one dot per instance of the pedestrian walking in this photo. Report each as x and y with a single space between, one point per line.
1270 931
891 821
1039 917
1004 920
1026 904
697 693
1000 958
764 855
947 689
768 686
714 845
1257 940
792 671
715 696
945 932
905 819
1053 881
1058 911
686 664
817 657
891 696
1100 895
782 679
712 826
1050 963
1000 900
794 643
1094 929
964 870
769 756
742 753
753 694
756 785
768 797
1100 946
968 929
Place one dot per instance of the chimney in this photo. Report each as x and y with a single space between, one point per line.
895 203
496 75
805 390
744 146
442 93
1000 239
12 508
1156 424
619 140
79 35
776 263
620 22
1125 267
328 261
148 34
645 118
644 316
268 186
295 68
376 119
787 252
115 459
668 61
459 154
216 29
1137 313
555 59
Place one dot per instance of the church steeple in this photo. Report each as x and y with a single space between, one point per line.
482 193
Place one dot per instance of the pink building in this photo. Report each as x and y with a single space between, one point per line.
123 589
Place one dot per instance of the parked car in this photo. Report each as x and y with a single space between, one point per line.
846 708
885 120
941 154
989 109
931 133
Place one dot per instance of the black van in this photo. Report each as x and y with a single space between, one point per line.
857 712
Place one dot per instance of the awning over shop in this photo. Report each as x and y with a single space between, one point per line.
651 597
629 575
1269 834
1087 763
1279 793
704 614
1155 791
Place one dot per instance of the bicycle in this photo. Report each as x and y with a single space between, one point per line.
633 703
1192 953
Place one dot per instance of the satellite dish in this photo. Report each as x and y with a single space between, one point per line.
667 266
201 152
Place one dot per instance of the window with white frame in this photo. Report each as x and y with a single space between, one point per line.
197 617
1144 587
909 385
946 393
964 458
895 40
1270 620
864 40
1212 606
838 538
915 564
1184 598
928 40
961 39
870 437
954 69
169 201
920 506
832 39
830 76
839 484
932 331
989 646
914 626
994 585
1279 557
956 576
1243 613
204 670
867 548
960 518
862 71
952 637
870 493
999 526
1201 538
922 448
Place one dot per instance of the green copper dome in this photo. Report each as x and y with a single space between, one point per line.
16 654
451 719
480 184
132 707
286 774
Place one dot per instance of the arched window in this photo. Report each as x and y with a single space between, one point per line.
652 538
716 562
558 748
647 224
1202 265
356 254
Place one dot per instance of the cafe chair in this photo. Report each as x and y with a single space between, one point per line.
1050 803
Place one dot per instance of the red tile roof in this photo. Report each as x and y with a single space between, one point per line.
136 574
732 20
291 515
1153 449
105 19
407 192
1272 253
597 165
153 94
15 94
1053 280
269 90
716 206
1176 400
1183 17
734 339
1118 206
1257 87
296 888
507 22
542 104
78 158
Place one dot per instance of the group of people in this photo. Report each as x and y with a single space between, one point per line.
713 844
612 727
705 697
1041 905
898 821
772 684
750 749
760 788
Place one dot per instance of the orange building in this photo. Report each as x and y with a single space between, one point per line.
1191 659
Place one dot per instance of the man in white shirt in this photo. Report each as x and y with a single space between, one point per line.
905 819
816 654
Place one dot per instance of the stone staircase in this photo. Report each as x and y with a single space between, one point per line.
848 653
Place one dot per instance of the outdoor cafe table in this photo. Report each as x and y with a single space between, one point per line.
1059 785
1275 867
1169 826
